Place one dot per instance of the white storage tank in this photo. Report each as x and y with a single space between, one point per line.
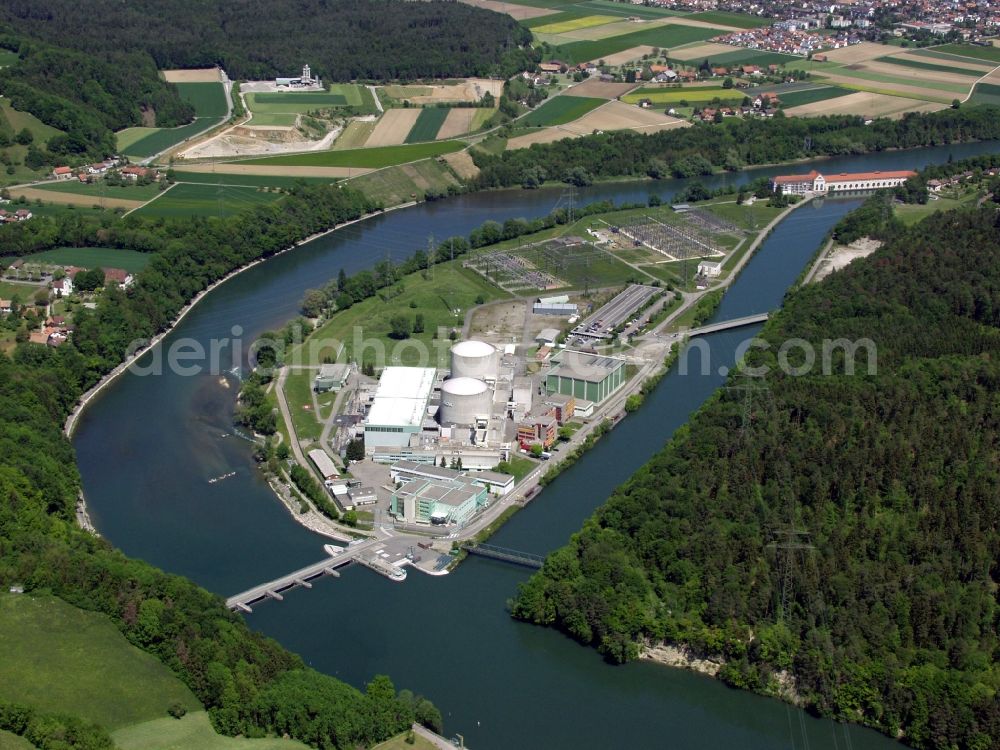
474 359
463 400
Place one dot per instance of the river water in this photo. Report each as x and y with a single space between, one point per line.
147 446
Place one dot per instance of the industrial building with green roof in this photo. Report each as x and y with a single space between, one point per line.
591 377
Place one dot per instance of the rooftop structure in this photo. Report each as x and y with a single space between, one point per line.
400 404
331 377
324 464
586 376
438 501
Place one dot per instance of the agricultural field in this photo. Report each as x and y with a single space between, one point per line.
601 89
192 732
442 297
293 102
799 97
99 189
372 158
628 55
990 54
910 62
11 123
985 93
65 660
393 127
463 120
185 199
559 110
22 292
161 139
519 12
284 181
405 182
723 18
621 116
209 100
192 75
427 124
57 202
354 135
694 95
461 90
573 24
865 104
743 56
92 257
660 36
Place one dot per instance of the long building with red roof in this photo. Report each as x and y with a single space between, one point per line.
814 182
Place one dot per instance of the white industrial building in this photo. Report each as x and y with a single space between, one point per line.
465 401
708 268
399 407
474 359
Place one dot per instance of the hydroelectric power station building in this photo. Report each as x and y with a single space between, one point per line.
814 182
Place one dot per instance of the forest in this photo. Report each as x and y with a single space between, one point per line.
253 39
732 145
249 683
847 534
88 96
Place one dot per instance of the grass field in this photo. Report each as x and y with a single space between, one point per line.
12 122
97 189
273 119
895 81
163 138
698 94
740 20
985 93
7 57
445 289
10 741
298 393
911 63
661 36
129 136
193 732
185 199
92 257
373 158
248 180
354 135
740 56
427 125
405 182
62 659
293 101
23 292
560 110
990 54
209 99
808 96
561 26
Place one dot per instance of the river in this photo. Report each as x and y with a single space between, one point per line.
147 446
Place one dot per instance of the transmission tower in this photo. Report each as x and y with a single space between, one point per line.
788 545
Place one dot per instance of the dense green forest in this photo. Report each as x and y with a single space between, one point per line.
88 95
731 145
249 683
343 40
849 534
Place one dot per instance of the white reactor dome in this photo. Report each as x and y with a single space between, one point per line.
463 400
474 359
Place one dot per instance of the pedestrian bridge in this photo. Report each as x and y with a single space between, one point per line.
513 556
725 325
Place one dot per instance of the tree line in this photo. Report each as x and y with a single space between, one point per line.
848 534
249 684
731 145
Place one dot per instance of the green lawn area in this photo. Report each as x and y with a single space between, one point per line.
17 121
694 94
754 217
8 57
10 741
560 109
911 213
406 182
130 136
919 64
189 199
353 93
12 122
990 54
739 20
209 99
249 180
99 189
399 743
660 36
985 93
23 292
808 96
92 257
428 123
274 119
298 393
374 158
445 289
192 732
520 466
65 660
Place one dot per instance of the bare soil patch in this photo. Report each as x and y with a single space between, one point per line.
866 104
393 127
702 51
858 52
601 89
73 199
616 28
621 116
270 170
249 141
470 90
461 162
195 75
842 255
458 122
627 55
968 63
520 12
913 90
916 75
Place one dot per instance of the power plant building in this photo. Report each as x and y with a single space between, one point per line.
465 401
438 501
590 377
399 407
474 359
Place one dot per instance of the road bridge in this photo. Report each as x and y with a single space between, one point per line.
725 325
